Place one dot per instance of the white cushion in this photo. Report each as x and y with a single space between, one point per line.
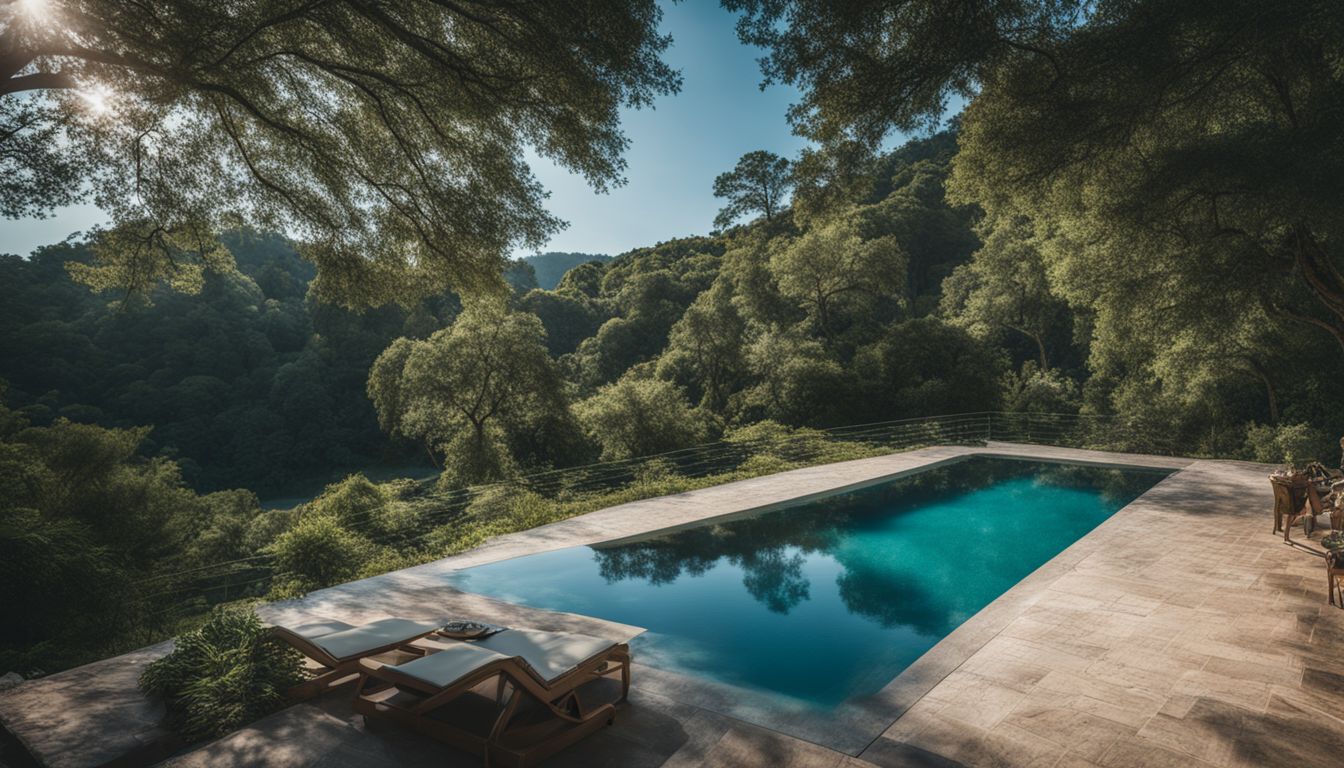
362 640
455 661
550 654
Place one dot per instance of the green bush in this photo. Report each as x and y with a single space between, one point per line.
318 552
267 526
471 459
354 502
642 417
1292 444
508 503
1033 390
222 676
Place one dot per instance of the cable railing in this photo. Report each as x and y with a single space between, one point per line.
170 596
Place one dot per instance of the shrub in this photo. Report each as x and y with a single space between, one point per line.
1033 390
223 675
355 503
765 464
508 503
635 417
471 459
1293 444
452 538
765 432
267 526
318 552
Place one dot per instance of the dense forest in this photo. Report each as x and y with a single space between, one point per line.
245 383
898 305
1110 224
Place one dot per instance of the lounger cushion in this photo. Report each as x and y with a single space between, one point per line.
550 654
320 628
358 641
455 661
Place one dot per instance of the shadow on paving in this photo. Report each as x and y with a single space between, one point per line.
325 734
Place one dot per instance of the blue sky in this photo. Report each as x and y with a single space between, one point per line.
677 148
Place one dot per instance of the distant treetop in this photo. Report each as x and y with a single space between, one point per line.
550 267
758 184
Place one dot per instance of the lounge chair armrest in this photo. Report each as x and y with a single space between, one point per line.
371 665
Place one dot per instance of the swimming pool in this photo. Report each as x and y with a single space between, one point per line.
831 598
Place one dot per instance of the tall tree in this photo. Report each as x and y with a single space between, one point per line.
1005 286
387 136
458 391
705 348
1180 148
830 269
757 184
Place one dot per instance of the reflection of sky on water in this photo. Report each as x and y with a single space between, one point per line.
832 598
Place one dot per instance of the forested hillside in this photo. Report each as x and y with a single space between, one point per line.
874 300
551 266
246 383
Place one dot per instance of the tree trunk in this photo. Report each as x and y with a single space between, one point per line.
1040 345
823 316
1323 281
1270 395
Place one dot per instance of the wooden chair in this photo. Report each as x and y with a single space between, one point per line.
512 698
1334 576
1289 500
1318 505
1295 499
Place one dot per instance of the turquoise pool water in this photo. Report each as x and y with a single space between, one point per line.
834 597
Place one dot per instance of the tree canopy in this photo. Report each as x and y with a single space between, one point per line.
386 137
1179 163
452 391
757 184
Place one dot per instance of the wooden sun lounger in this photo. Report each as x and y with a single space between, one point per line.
332 650
512 698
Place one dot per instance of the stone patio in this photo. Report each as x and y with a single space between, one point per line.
1179 632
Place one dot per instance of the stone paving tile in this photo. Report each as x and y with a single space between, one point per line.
982 702
87 716
1003 745
885 752
1136 753
746 746
293 738
1052 717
